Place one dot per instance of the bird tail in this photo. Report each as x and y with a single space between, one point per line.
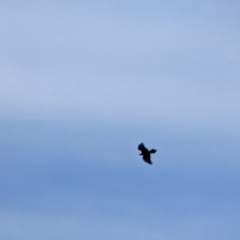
152 151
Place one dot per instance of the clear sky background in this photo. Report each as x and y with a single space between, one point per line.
82 83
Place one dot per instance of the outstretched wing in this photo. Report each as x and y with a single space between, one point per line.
147 158
142 148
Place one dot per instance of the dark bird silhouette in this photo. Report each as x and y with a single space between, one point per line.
146 153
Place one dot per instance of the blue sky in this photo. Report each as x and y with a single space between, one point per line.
83 83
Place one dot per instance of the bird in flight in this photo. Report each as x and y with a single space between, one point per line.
146 153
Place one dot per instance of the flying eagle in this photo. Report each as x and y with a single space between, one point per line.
146 153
